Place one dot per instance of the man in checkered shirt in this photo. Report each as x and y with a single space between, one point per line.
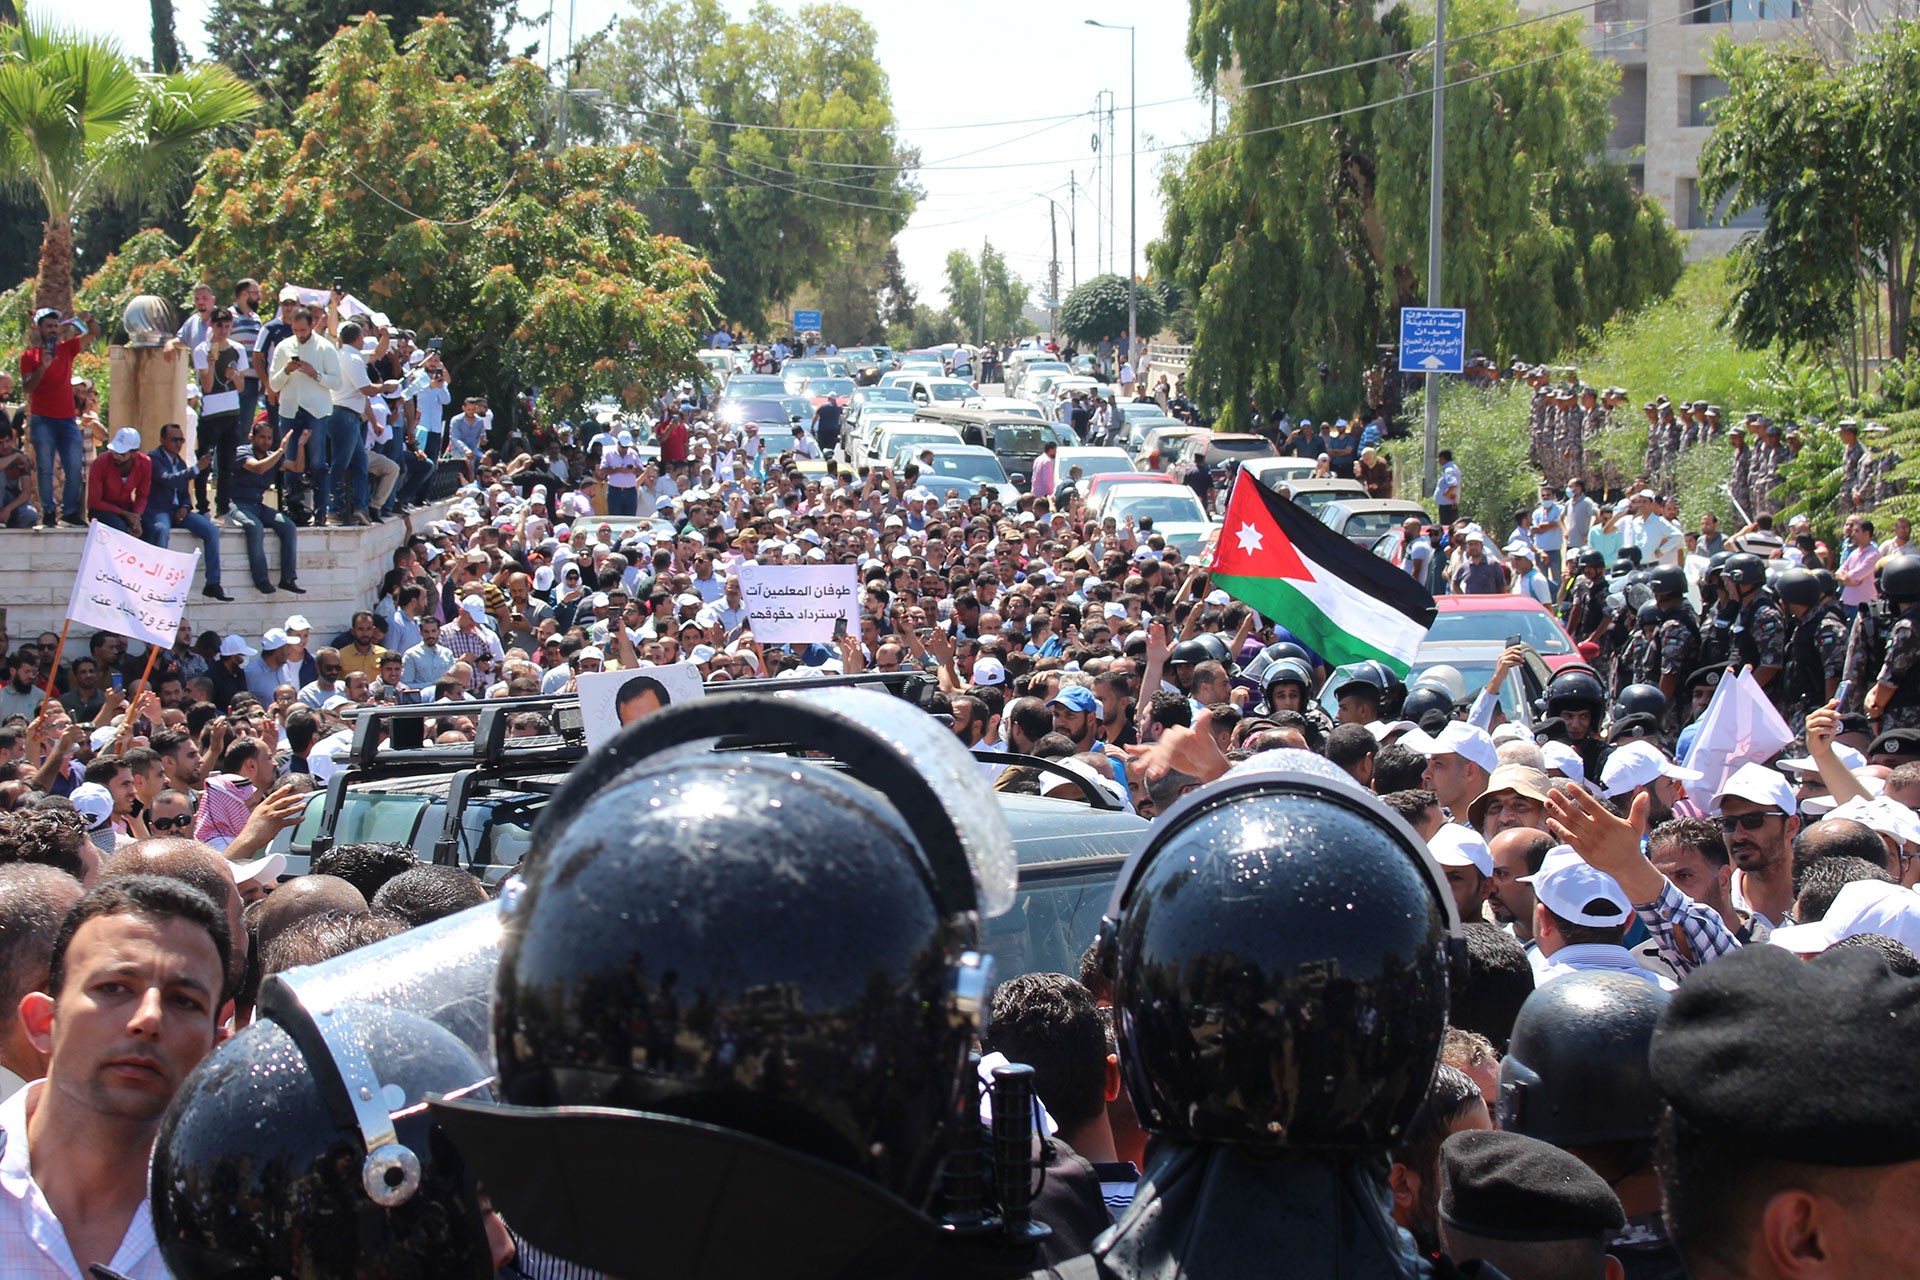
471 639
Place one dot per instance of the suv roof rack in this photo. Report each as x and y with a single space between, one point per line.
389 743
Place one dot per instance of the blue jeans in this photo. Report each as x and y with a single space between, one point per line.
158 528
292 485
344 465
622 502
60 436
114 522
418 470
255 518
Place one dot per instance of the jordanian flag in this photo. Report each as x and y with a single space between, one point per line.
1344 603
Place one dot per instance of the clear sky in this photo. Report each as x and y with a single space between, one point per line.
984 181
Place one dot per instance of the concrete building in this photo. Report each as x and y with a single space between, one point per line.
1662 111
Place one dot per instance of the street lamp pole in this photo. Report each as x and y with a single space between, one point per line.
1133 184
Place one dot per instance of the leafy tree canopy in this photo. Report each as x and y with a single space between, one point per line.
775 134
435 199
1006 294
1098 309
1300 231
1833 154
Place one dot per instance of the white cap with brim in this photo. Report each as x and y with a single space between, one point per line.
1456 846
260 871
95 804
1563 760
1864 906
125 440
1757 784
989 671
1807 764
1635 764
1466 740
1578 893
235 647
1881 816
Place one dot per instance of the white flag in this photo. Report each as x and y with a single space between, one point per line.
1738 727
130 587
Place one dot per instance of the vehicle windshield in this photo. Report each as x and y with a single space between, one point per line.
1537 629
1052 922
950 390
983 467
888 393
1314 499
1239 448
1165 504
370 815
755 411
806 369
1096 465
751 384
1473 676
842 387
1365 526
1021 442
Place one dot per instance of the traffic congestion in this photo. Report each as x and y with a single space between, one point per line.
963 812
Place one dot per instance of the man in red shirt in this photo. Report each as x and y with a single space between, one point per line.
46 375
120 483
673 441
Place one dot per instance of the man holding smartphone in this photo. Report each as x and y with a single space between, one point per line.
46 375
303 373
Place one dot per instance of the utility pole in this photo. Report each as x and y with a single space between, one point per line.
984 246
1438 174
1053 287
1073 216
1133 184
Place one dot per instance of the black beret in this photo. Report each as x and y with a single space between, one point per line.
1705 675
1507 1186
1896 742
1804 1061
1856 723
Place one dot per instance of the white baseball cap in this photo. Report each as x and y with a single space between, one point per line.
297 622
701 653
95 804
1577 892
1759 785
1864 906
1563 760
1467 740
1635 764
988 671
1847 756
1456 846
274 638
474 607
260 870
125 440
235 647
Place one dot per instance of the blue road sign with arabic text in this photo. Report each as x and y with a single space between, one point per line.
1433 339
806 321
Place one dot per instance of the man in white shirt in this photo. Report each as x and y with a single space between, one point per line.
620 472
1446 488
1580 917
804 445
346 460
134 1000
1657 537
303 373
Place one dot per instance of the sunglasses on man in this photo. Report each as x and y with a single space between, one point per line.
1747 821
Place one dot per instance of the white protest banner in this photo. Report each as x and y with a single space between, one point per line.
802 603
612 700
130 587
1738 727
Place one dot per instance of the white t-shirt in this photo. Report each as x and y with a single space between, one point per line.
222 399
623 458
352 391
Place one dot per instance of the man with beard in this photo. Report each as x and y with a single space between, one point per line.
1076 713
135 985
21 695
1453 1105
181 764
1516 852
1759 817
1516 796
1641 768
1459 762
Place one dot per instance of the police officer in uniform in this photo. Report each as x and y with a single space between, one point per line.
1280 952
1740 484
1586 606
701 1071
1676 638
1577 701
1894 699
1638 713
1716 630
1817 653
1639 660
1576 1075
1759 629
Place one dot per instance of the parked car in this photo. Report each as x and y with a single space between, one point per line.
1474 660
1315 494
1473 618
1176 513
1363 520
968 462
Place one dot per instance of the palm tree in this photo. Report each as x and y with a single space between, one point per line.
82 125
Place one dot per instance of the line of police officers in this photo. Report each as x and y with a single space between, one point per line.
723 1025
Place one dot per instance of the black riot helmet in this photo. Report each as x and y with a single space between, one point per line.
1649 614
1829 585
1667 580
1591 560
1135 645
1716 564
1216 646
1900 579
678 982
1280 952
1631 554
304 1146
1575 690
1575 1073
1424 700
1640 700
1189 653
1745 568
1370 678
1287 649
1797 586
1287 671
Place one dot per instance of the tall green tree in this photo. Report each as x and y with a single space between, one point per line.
275 44
81 127
1301 230
1833 154
1006 294
775 133
1098 309
439 200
